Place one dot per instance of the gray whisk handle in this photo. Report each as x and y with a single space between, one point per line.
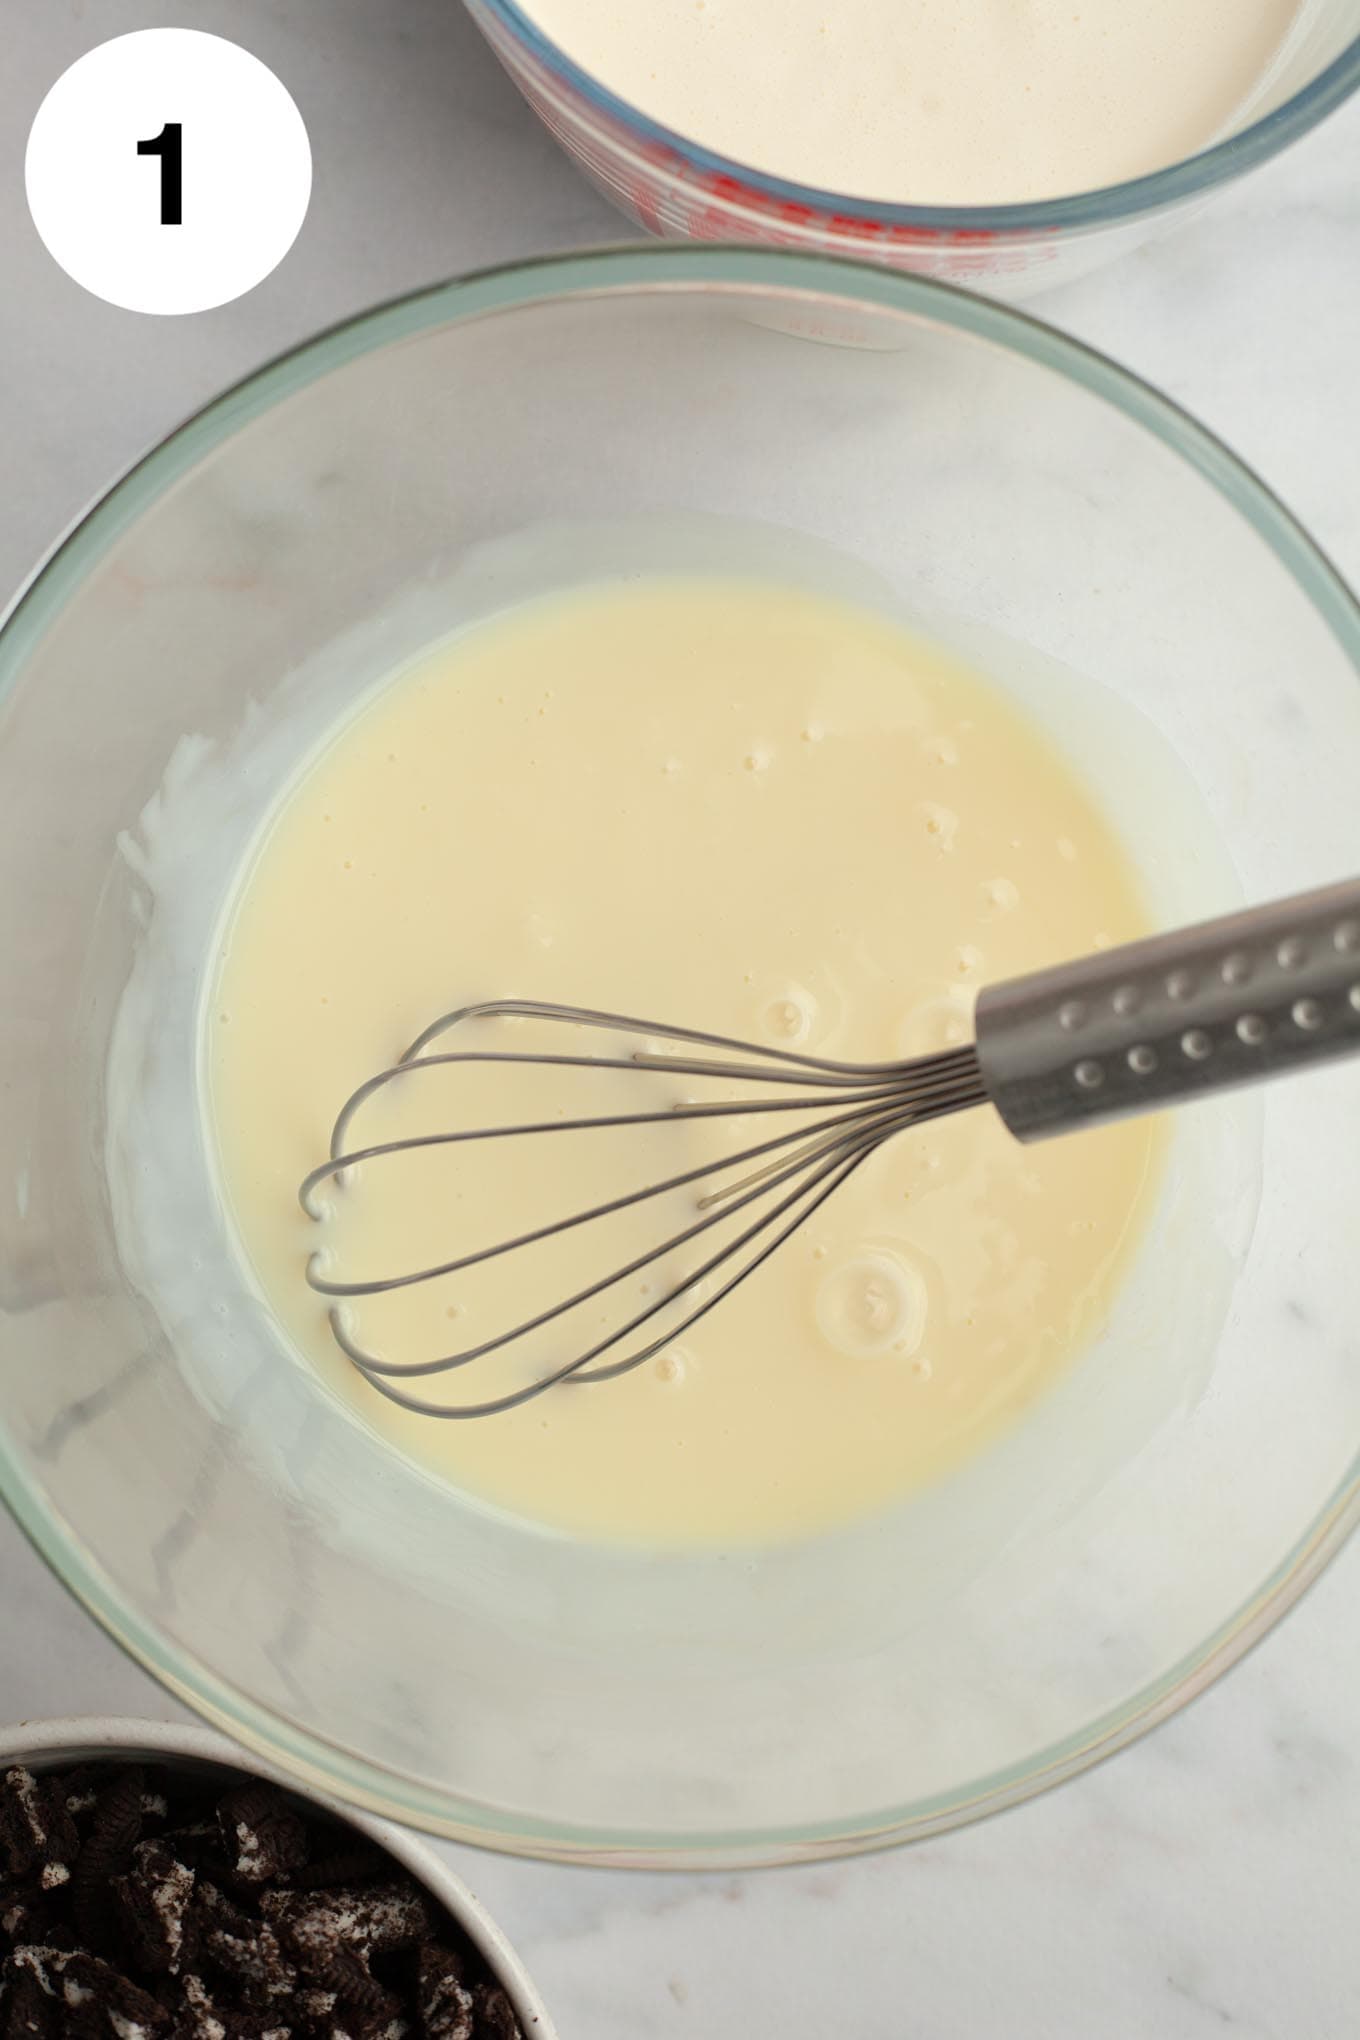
1154 1023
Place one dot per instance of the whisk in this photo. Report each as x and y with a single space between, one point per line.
1128 1030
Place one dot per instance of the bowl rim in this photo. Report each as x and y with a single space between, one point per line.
1107 205
310 1761
47 1743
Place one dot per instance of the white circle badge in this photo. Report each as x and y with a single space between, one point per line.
168 171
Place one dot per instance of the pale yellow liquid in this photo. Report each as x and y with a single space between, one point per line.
741 808
935 102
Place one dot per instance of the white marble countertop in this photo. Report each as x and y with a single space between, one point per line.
1205 1881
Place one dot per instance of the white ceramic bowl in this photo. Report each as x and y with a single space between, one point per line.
55 1745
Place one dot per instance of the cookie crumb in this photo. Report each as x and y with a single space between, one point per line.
244 1916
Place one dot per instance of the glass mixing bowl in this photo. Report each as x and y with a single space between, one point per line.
671 186
240 1532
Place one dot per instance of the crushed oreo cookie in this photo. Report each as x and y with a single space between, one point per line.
140 1904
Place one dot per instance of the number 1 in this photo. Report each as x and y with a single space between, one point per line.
169 146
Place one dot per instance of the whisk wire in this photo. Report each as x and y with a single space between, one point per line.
610 1209
734 1109
651 1030
872 1103
772 1180
380 1375
788 1060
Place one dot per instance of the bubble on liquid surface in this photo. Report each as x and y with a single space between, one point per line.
873 1304
940 1023
941 825
1001 895
789 1017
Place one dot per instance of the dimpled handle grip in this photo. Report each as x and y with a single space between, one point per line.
1156 1023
